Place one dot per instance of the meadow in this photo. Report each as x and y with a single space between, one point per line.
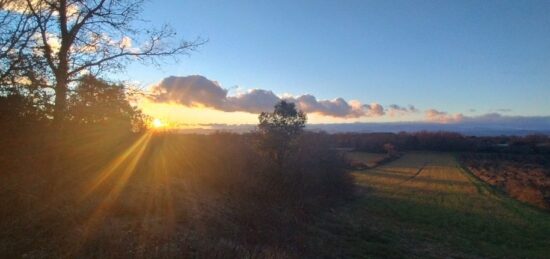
425 205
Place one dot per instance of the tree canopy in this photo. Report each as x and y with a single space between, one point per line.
98 102
53 43
278 130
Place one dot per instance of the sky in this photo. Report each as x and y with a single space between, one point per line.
442 61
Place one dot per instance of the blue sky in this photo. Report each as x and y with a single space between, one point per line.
453 56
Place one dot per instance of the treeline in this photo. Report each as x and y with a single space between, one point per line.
443 141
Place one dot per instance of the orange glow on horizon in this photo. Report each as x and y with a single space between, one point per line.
176 116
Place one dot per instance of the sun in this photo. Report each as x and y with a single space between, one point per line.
157 123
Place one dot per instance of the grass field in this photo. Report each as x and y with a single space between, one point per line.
370 159
426 205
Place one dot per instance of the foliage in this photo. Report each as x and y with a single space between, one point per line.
96 102
18 109
279 129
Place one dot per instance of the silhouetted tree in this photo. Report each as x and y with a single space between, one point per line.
80 36
17 111
279 129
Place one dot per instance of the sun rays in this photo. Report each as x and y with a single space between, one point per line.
112 181
138 182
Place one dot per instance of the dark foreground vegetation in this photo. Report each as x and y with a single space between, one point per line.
168 196
102 186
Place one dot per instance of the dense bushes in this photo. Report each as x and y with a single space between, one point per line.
164 194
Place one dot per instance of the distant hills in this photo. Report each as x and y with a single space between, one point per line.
466 128
470 129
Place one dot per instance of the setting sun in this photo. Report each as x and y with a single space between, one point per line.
157 123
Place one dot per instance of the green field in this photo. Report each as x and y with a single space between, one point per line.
370 159
426 205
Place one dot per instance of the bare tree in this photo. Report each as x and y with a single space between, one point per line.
76 37
15 36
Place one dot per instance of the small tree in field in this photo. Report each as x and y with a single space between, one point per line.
279 129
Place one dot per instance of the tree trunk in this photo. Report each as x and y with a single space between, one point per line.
60 106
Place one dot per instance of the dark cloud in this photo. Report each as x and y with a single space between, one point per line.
335 108
256 100
191 91
199 91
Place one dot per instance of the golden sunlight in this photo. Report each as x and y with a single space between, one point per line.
157 123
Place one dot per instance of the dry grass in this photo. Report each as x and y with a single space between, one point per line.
162 196
524 177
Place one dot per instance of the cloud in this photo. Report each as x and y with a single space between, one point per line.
255 100
199 91
374 110
433 115
336 108
490 120
191 91
395 110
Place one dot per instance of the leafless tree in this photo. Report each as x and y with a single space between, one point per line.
15 35
69 38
